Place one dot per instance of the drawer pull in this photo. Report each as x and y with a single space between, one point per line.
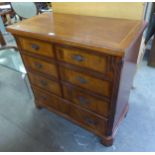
44 97
78 58
38 65
43 83
90 121
34 46
81 80
83 100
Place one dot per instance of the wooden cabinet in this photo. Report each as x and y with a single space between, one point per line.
81 67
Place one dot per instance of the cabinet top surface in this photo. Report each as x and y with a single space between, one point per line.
107 35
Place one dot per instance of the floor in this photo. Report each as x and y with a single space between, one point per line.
25 128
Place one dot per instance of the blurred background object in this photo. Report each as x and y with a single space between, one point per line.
149 35
5 15
22 9
150 40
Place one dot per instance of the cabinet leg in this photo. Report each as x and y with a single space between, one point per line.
126 112
38 106
107 141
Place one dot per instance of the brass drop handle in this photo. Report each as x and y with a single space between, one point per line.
35 47
43 83
44 97
81 80
78 58
90 121
83 100
38 65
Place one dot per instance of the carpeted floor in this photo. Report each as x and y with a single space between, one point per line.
25 128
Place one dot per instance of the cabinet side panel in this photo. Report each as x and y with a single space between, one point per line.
126 80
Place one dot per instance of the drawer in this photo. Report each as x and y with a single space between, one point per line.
44 83
80 79
41 66
88 119
87 101
37 47
51 100
83 59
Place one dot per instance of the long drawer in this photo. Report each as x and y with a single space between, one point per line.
40 65
50 100
83 117
88 119
101 87
86 101
37 47
44 83
83 58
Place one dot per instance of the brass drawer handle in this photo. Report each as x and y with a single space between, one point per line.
34 46
44 98
90 121
83 100
78 58
38 65
43 83
81 80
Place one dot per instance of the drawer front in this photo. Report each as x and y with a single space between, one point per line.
96 85
88 119
37 47
41 66
83 59
45 83
87 101
51 101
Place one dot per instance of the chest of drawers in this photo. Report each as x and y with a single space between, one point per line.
81 67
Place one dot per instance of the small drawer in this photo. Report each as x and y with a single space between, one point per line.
88 119
49 85
51 101
83 59
41 66
85 100
80 79
37 47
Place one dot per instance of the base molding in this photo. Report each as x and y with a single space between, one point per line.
107 141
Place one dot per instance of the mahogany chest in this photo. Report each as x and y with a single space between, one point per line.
81 67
